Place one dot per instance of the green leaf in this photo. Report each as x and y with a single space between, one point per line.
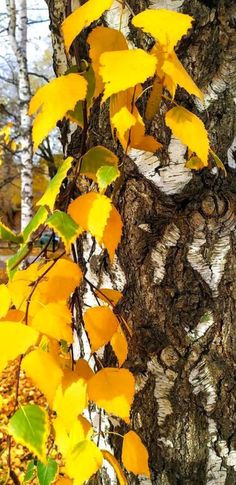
47 472
38 219
106 175
16 259
6 234
77 114
29 426
65 227
29 471
53 189
96 158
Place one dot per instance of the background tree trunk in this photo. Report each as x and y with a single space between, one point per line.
17 32
176 263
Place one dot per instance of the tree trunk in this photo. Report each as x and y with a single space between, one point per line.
176 264
18 21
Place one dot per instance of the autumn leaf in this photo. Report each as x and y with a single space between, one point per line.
106 175
115 464
83 370
66 438
113 390
114 64
166 26
100 40
15 339
109 295
65 227
50 195
95 158
82 17
120 345
36 221
70 398
44 371
29 426
68 89
54 320
5 300
135 455
100 324
190 130
83 461
6 234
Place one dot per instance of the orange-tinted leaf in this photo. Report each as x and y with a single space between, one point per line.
135 455
82 17
83 370
44 372
164 25
68 89
100 324
113 232
15 339
120 346
115 464
154 99
109 295
91 211
51 289
190 130
54 320
114 64
103 39
113 390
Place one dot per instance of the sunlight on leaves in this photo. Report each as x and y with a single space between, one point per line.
15 339
135 455
100 324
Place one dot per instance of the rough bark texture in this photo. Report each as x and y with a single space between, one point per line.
177 266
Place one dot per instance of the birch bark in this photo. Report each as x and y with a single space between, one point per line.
17 31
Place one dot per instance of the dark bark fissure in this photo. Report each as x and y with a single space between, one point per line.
178 258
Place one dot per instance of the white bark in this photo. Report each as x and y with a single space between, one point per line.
17 31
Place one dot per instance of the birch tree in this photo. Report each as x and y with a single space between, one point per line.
176 263
17 31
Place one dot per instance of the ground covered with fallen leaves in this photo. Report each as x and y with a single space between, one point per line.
28 394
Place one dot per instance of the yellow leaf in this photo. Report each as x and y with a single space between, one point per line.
50 289
154 99
5 300
91 211
70 398
175 70
112 233
103 39
50 195
64 481
120 346
113 390
139 140
15 339
135 455
109 295
115 64
123 121
68 89
190 130
82 17
54 320
83 461
115 464
164 25
100 324
66 438
44 372
83 370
